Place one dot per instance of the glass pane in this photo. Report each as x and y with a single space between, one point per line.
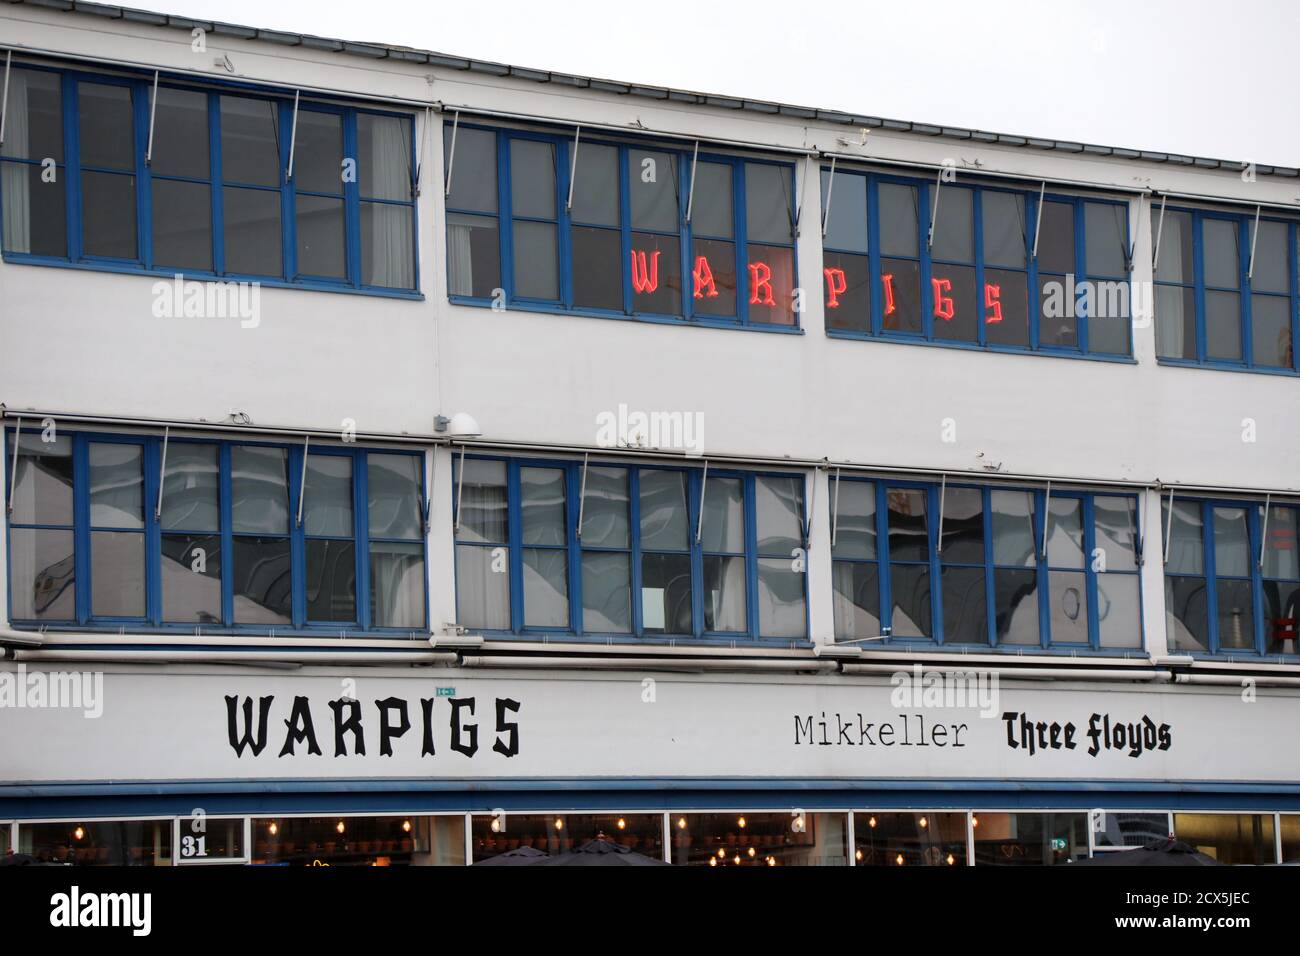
42 575
606 593
910 839
595 186
1030 838
180 140
900 284
546 588
1271 273
724 515
1065 533
713 277
1281 617
724 594
712 212
1175 309
1119 610
962 540
483 514
965 609
1270 327
250 141
384 163
664 515
605 508
1222 253
1236 615
1058 326
855 518
397 584
108 215
482 587
898 219
653 183
1231 838
954 225
1108 316
106 127
331 581
34 124
394 489
474 169
191 486
117 574
318 153
1006 308
321 244
191 579
1015 606
1185 606
781 609
1013 528
769 211
956 315
182 225
1116 529
116 485
847 291
666 594
909 538
1004 228
327 507
1056 238
909 589
252 231
1232 551
42 487
262 581
387 246
656 274
1068 607
759 840
597 268
771 285
778 503
1106 238
532 178
100 843
857 600
543 506
1132 829
1281 549
259 489
1175 262
42 228
846 213
473 255
1223 326
536 261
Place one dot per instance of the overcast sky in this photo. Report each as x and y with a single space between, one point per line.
1186 76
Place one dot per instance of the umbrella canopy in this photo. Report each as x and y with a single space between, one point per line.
600 852
520 856
1156 853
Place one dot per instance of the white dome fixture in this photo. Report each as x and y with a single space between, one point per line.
459 425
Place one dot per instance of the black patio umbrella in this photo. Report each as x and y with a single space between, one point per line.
1168 852
600 852
519 856
19 859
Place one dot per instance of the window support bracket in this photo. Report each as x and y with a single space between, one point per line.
162 474
806 523
302 479
582 491
830 188
835 508
1254 237
1047 518
460 491
690 194
1131 252
573 167
419 153
293 136
1169 526
943 492
1160 228
699 521
13 468
1038 219
1263 531
803 193
4 99
451 153
153 113
934 209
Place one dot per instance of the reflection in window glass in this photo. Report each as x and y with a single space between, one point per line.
1234 839
98 842
359 841
759 839
769 211
1029 839
909 839
1120 829
653 185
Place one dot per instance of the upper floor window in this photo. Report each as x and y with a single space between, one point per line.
956 564
619 229
112 530
1002 270
1224 593
629 551
1225 289
103 171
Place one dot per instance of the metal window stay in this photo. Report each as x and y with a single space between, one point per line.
1155 258
1038 219
1263 531
460 491
830 188
153 113
934 211
582 491
943 492
835 508
699 521
1254 238
690 195
162 473
1047 520
1169 526
4 99
451 154
13 469
293 135
573 167
419 152
302 479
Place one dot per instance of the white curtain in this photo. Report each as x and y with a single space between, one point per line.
460 263
390 226
1171 320
14 182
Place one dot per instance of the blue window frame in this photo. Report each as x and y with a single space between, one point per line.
981 282
627 237
1224 593
623 553
1214 305
216 199
968 565
93 544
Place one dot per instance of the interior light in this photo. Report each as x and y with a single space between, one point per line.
974 821
559 823
899 859
771 861
406 826
752 851
925 822
79 833
622 824
681 823
872 822
741 822
496 825
713 861
722 853
951 859
859 855
273 829
737 860
340 826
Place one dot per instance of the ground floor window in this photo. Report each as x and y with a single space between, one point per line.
909 839
1232 838
1125 831
1029 839
359 841
1289 825
99 843
791 838
557 833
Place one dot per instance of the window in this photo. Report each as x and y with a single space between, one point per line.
554 834
96 540
1225 289
965 565
618 229
759 839
1224 594
628 552
909 839
215 198
99 842
1029 838
971 282
1234 839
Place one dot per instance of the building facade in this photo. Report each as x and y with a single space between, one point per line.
411 458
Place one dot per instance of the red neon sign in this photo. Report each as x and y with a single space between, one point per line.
760 280
836 285
888 279
993 301
703 279
644 280
944 307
